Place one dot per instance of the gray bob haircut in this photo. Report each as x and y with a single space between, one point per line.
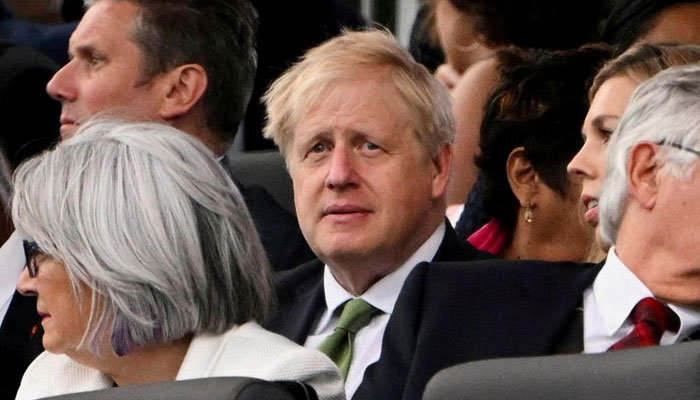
145 216
664 110
347 56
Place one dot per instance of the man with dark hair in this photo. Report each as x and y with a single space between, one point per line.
190 65
187 64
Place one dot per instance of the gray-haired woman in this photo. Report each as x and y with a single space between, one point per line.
146 268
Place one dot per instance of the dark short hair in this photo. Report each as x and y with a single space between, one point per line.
546 24
540 104
217 34
631 19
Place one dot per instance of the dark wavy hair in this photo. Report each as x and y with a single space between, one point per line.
631 19
540 104
546 24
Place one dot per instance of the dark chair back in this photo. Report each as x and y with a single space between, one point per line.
224 388
266 169
665 372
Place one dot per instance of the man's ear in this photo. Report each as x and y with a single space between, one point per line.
522 177
184 88
643 174
443 163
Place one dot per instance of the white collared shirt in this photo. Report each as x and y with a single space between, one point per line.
367 345
608 303
11 264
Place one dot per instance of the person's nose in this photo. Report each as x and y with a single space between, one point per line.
26 284
341 170
61 86
579 167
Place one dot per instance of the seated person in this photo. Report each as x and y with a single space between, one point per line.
530 131
646 293
146 268
367 135
610 93
471 31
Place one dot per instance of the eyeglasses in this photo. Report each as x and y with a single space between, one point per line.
31 251
678 146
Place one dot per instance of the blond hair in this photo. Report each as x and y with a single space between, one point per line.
292 95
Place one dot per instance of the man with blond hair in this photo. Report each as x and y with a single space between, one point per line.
367 136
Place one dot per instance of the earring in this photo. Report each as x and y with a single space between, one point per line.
528 212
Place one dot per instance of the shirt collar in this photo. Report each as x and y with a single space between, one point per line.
617 290
385 292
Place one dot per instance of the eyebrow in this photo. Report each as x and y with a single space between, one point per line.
601 119
86 49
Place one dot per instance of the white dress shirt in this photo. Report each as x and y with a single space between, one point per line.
608 303
11 264
367 345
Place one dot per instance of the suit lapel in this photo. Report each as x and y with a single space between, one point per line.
301 300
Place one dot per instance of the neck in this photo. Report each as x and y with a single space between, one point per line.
530 243
200 130
153 363
667 270
357 274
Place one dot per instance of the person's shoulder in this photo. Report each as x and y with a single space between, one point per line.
513 268
54 374
56 363
496 275
270 345
275 357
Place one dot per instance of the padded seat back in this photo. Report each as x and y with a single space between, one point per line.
267 170
662 372
224 388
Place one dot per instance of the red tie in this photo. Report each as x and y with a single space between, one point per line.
651 319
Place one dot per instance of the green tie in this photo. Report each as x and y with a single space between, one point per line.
338 345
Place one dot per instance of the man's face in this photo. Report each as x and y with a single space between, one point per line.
104 73
364 188
661 244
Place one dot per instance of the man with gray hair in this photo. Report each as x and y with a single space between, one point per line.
367 136
649 207
647 292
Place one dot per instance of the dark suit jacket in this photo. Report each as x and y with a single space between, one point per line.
451 313
30 124
301 297
17 346
279 230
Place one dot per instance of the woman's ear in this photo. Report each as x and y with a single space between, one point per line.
522 176
184 88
